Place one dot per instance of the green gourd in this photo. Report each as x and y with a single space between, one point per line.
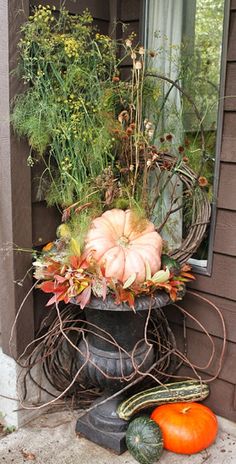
144 440
188 390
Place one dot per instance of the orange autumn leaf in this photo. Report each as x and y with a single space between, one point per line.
48 247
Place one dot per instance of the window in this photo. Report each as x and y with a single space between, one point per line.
185 39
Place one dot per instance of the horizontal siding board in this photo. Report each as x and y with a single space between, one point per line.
130 28
222 395
225 233
206 314
230 90
98 9
227 187
130 10
231 55
44 223
229 125
102 26
222 281
221 399
233 5
201 359
228 150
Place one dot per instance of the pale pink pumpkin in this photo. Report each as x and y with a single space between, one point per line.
123 248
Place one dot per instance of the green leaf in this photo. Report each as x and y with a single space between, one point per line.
161 276
74 247
148 271
130 280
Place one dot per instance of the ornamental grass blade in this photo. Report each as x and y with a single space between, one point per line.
130 280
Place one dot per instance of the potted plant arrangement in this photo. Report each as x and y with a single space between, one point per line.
97 138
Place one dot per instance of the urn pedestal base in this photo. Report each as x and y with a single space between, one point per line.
103 427
113 354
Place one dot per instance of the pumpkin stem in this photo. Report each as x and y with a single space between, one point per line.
185 410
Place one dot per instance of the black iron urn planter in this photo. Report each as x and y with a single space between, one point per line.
109 362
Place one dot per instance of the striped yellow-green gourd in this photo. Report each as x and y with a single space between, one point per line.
188 390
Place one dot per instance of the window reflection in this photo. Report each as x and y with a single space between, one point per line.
185 40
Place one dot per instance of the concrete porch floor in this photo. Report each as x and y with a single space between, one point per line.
51 439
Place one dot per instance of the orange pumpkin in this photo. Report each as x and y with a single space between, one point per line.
123 245
187 428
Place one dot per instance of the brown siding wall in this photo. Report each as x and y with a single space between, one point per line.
25 224
45 220
220 287
15 191
25 219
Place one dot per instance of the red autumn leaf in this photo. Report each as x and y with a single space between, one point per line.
53 266
173 295
52 300
189 276
84 297
83 263
74 262
104 289
51 287
186 268
48 247
57 297
66 214
59 279
125 296
175 283
48 286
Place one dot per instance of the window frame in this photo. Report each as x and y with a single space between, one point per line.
219 132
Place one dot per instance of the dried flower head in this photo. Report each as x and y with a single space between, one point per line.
152 54
133 55
141 51
148 124
128 43
129 131
150 133
180 149
185 159
149 163
138 65
169 137
123 116
202 181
